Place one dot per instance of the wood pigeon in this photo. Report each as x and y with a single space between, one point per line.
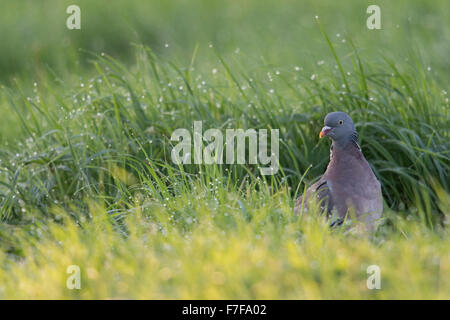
349 184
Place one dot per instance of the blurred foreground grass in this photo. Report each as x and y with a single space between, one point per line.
218 245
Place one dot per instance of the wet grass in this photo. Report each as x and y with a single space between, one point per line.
86 178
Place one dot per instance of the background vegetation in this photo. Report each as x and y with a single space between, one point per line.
86 176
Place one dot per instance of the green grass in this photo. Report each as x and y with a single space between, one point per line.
86 176
221 245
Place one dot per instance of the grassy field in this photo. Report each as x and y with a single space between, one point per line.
86 176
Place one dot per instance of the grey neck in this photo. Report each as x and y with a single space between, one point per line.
341 144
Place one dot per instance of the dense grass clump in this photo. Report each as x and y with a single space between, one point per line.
111 135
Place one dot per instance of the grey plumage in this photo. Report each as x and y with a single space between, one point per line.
348 183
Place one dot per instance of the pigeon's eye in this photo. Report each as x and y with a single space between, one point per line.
341 122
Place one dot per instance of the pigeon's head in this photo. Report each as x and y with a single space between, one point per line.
339 127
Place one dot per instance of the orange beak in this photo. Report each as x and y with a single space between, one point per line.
324 131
